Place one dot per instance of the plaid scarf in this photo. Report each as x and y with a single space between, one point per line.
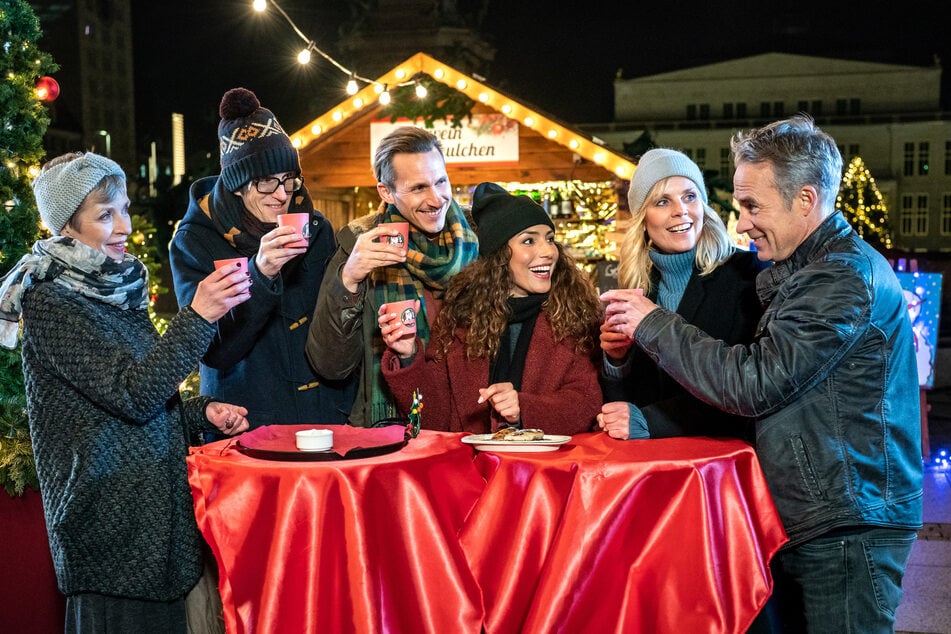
430 264
82 269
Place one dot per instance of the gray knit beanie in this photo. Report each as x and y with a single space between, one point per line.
60 190
253 144
499 215
656 165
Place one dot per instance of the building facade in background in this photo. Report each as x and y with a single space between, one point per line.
91 40
889 115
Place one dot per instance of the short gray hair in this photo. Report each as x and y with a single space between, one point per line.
408 139
799 153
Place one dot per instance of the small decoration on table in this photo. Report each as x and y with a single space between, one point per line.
412 428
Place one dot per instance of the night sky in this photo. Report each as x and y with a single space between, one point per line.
564 62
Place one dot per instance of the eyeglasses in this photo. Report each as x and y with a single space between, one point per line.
269 185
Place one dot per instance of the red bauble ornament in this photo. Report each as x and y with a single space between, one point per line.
47 88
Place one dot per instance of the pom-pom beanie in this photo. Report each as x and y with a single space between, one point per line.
253 144
499 215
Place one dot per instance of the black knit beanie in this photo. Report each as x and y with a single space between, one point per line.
253 143
499 215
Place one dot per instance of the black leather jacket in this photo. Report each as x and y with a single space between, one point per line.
831 379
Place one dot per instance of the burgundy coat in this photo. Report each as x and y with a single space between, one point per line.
560 392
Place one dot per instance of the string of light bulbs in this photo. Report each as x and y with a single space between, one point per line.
310 47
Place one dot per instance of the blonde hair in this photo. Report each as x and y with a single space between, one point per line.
714 245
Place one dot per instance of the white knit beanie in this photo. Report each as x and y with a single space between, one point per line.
656 165
60 190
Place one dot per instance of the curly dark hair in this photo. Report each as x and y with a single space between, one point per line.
477 299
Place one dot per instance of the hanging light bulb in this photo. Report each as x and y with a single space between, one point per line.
259 5
304 56
352 85
421 91
385 95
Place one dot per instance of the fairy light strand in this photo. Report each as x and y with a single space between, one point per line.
310 46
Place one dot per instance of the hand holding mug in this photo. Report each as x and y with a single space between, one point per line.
397 322
223 289
372 250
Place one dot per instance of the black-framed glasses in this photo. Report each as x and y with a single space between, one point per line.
269 185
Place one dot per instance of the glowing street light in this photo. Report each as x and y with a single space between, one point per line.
105 133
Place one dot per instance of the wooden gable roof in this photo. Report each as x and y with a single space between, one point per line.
335 147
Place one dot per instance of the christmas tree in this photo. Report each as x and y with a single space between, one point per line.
863 205
23 122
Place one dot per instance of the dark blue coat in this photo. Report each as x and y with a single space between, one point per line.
257 357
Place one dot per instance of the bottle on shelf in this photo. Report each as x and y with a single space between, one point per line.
555 203
567 209
546 201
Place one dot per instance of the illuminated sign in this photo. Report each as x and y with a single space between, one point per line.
483 139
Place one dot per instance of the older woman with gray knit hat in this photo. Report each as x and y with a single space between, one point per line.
107 422
677 252
513 343
257 356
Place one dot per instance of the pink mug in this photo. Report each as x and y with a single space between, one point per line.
301 223
241 262
402 239
406 310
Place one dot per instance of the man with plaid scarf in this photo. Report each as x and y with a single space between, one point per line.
367 270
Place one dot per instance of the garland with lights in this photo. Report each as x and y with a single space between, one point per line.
444 102
353 79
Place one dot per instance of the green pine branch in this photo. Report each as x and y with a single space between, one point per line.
23 122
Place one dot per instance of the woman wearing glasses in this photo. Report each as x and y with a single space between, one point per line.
257 357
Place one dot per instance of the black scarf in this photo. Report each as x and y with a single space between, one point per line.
239 226
509 363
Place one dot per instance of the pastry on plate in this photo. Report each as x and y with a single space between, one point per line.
518 435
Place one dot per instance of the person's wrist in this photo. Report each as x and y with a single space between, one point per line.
264 267
351 284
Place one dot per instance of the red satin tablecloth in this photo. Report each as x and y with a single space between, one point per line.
364 545
604 535
599 536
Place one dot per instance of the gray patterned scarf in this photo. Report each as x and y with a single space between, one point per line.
82 269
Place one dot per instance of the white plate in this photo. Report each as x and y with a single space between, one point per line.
485 442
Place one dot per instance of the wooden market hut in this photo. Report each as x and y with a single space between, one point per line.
335 149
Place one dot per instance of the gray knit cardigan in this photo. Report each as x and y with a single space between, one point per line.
109 436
